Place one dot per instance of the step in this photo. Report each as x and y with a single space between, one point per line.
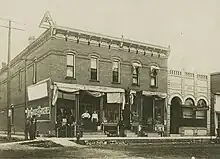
175 135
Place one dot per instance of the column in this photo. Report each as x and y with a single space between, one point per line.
102 108
77 112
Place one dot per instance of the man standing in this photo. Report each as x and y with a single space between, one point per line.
94 120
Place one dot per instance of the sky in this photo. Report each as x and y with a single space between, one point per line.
191 28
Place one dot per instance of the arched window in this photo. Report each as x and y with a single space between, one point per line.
188 108
153 76
201 103
116 71
189 102
136 73
70 62
201 114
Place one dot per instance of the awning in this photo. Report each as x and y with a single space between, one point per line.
159 94
74 87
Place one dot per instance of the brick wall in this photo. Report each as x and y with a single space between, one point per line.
52 63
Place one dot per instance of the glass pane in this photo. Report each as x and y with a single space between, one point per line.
115 65
200 114
201 103
153 81
70 59
189 102
94 74
69 71
94 63
115 76
135 81
187 113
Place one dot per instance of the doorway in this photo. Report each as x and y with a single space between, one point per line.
175 115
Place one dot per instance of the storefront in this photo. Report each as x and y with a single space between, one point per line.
96 107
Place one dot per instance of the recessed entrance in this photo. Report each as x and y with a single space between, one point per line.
175 114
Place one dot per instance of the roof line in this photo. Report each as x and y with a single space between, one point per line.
110 37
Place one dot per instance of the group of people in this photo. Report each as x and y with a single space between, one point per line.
31 127
87 119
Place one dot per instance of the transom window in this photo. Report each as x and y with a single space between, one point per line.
116 71
70 72
94 68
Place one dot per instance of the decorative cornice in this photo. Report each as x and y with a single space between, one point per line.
110 41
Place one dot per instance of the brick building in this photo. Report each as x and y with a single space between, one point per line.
215 102
188 103
82 71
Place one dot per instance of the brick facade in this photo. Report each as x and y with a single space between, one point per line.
50 52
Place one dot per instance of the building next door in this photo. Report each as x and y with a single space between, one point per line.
175 115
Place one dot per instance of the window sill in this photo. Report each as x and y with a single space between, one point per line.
116 83
155 87
133 84
70 78
92 80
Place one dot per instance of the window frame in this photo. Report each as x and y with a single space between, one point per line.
118 71
154 77
97 68
20 79
189 107
34 77
137 75
73 67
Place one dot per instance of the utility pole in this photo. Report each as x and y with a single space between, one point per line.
9 83
25 99
9 104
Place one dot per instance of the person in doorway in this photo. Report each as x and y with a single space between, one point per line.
34 126
28 127
94 120
85 117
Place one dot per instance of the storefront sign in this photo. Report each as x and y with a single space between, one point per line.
160 94
41 111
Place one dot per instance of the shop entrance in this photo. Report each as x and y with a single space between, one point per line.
89 111
175 114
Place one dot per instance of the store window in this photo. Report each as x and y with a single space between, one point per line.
201 114
70 61
188 108
136 73
116 71
94 68
154 76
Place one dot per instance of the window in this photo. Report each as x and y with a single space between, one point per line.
115 71
34 79
201 114
94 68
70 61
20 80
153 76
136 73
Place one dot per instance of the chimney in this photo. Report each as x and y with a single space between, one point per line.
31 39
4 64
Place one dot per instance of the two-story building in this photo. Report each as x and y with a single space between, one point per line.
188 103
71 71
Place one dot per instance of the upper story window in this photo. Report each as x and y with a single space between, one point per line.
20 79
94 68
201 114
116 71
70 62
34 79
154 76
136 73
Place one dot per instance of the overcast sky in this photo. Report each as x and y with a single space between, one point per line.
190 27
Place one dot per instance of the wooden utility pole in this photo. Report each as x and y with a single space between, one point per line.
9 83
9 104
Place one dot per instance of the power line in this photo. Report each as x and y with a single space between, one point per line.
11 21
